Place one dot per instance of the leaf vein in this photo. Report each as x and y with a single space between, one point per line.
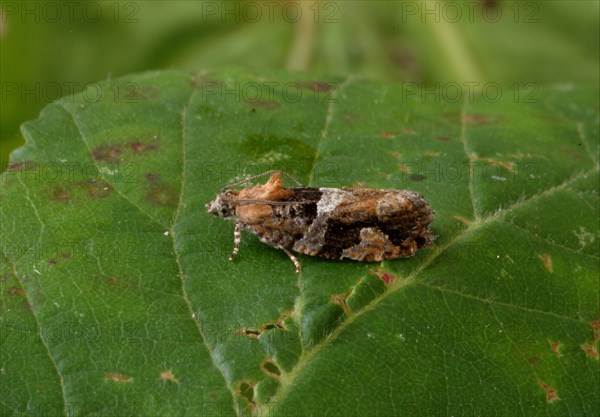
463 140
101 174
173 236
42 337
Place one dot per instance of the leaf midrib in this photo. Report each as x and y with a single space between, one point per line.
181 273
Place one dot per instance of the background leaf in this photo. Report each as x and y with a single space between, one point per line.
118 298
511 43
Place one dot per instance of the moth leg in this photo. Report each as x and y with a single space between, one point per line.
294 260
237 237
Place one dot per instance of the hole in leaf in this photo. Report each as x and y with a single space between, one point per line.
270 326
253 333
246 391
271 369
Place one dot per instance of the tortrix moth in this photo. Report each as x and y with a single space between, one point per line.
366 225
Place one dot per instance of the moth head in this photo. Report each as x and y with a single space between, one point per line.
223 205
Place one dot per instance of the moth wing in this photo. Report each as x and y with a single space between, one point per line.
368 225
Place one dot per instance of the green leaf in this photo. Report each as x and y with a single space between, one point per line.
118 299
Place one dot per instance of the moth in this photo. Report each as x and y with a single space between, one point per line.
367 225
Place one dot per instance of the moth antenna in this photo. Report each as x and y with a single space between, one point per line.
272 202
273 171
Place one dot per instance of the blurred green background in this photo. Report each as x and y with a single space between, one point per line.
51 49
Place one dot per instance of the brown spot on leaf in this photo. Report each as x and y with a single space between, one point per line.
571 154
395 154
16 291
22 166
590 350
141 147
508 165
263 104
547 260
556 348
385 175
168 376
443 138
162 197
117 378
475 118
61 194
432 154
114 153
341 301
596 327
111 281
107 153
385 276
52 261
152 176
317 85
65 255
462 219
551 394
159 192
533 360
96 188
417 177
269 367
387 135
407 131
403 168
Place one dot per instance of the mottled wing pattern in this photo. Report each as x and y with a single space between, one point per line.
367 225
